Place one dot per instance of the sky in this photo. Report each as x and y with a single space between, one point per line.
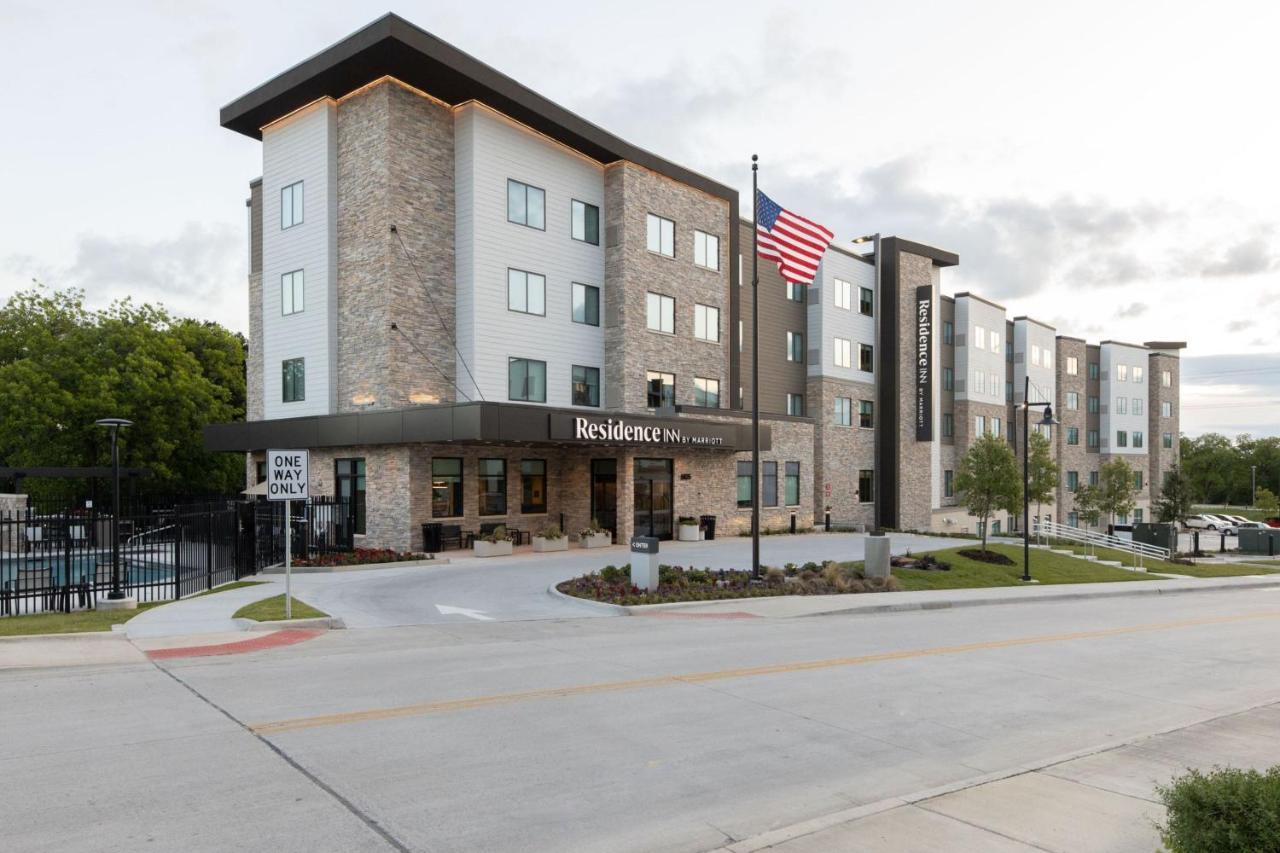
1108 168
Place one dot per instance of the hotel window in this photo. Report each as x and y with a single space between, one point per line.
768 483
948 483
746 488
1093 478
293 295
1091 438
1122 406
866 486
1122 438
706 250
526 205
1092 404
533 485
843 352
844 294
1137 515
293 380
661 313
586 304
866 414
706 392
1073 365
1008 391
795 292
995 427
1008 351
1035 355
1137 438
493 486
586 386
979 382
526 292
948 425
948 379
866 301
1166 378
661 236
795 347
1166 409
993 383
1048 357
980 425
1073 400
706 323
291 205
1137 481
584 222
1073 481
791 484
526 380
979 337
1137 405
446 487
1122 373
1073 435
1073 519
1166 440
795 405
348 486
660 390
260 471
844 411
1137 374
948 332
1093 370
866 358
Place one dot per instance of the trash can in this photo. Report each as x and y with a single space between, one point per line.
708 526
431 537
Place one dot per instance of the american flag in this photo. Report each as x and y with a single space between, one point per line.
795 243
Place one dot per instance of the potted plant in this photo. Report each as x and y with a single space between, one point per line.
495 543
595 536
551 538
688 529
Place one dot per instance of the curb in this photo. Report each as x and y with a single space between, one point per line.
100 636
611 609
323 623
364 567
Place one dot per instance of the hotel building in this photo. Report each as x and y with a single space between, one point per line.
473 306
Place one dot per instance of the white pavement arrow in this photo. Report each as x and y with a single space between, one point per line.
446 610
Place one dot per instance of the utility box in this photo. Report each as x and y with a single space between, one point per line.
1256 541
1160 535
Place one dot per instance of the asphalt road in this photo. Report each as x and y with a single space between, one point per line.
602 734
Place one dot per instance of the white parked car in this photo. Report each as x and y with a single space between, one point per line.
1206 522
1239 520
1254 525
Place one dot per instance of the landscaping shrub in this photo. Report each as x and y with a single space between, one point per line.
1226 810
993 557
360 557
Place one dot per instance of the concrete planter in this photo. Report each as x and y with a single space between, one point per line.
688 533
491 549
542 545
603 539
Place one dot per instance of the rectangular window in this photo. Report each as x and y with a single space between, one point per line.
586 385
746 488
533 485
1073 400
844 411
1166 440
706 323
1093 478
1073 519
979 337
791 485
1048 357
979 425
526 380
1166 378
995 427
293 295
291 205
1008 391
1008 351
796 292
585 222
866 486
526 205
1166 409
586 304
526 292
1137 374
948 425
348 487
979 382
660 390
1137 515
493 486
706 250
948 483
768 483
1137 480
446 487
706 392
1137 438
866 414
844 293
795 347
1035 355
843 352
661 313
1093 370
1137 405
1122 373
948 379
795 405
1122 438
661 236
1091 437
1073 481
293 380
1073 435
1122 406
1073 365
866 358
1092 403
948 332
866 301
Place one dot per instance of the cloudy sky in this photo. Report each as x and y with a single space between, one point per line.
1106 167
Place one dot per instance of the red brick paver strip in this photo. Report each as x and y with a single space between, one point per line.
275 639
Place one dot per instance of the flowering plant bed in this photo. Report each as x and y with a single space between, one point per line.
677 583
361 556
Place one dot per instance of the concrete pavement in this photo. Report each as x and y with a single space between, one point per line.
202 614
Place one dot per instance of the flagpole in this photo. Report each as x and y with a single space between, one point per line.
756 489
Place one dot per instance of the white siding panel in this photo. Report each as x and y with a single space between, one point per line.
971 313
827 322
1110 356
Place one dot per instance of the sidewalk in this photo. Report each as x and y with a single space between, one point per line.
203 614
1101 800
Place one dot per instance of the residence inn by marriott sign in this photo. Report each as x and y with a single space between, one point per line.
649 432
924 363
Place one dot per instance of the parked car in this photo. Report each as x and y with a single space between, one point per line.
1274 521
1238 519
1207 521
1253 525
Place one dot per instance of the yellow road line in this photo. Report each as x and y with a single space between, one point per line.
424 708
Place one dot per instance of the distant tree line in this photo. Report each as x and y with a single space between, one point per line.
1218 469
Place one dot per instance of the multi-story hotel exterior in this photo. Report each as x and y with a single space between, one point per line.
473 306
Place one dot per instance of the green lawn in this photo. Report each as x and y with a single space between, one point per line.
225 587
69 623
272 610
1165 567
1224 570
1045 567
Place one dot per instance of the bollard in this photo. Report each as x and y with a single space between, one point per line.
826 523
793 522
1222 543
1271 545
1195 542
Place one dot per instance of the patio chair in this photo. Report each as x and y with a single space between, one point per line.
37 584
450 536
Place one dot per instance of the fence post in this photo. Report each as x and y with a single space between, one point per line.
66 563
177 557
208 552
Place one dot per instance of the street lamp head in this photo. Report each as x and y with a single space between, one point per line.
113 422
866 238
1048 419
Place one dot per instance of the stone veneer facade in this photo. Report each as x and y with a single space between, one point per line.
842 451
1072 457
915 463
1162 459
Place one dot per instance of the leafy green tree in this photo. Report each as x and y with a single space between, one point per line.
1174 504
1087 505
63 366
988 479
1267 501
1042 472
1115 489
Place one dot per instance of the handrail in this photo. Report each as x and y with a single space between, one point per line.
1054 530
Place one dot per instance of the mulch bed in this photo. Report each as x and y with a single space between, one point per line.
993 557
360 557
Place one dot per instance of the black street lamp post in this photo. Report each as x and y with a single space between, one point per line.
114 424
1048 421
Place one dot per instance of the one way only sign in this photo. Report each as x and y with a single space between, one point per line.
287 475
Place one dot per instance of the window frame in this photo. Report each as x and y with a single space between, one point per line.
528 276
702 316
299 378
455 488
661 376
790 476
297 288
702 392
745 472
869 351
511 361
662 301
483 495
587 290
661 221
867 476
795 355
356 478
768 483
297 205
527 187
843 291
846 410
527 508
866 414
573 384
703 240
573 221
842 352
869 302
791 409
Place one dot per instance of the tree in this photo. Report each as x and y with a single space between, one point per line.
1087 499
1174 504
1042 471
987 480
1115 489
1268 502
63 366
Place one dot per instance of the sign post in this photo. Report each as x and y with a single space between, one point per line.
644 562
287 480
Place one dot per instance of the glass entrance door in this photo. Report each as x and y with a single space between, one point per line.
604 494
653 497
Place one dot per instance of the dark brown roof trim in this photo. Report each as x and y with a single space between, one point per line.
1166 344
1070 338
1039 323
1123 344
967 295
940 257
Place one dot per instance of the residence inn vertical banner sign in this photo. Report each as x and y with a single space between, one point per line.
924 363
